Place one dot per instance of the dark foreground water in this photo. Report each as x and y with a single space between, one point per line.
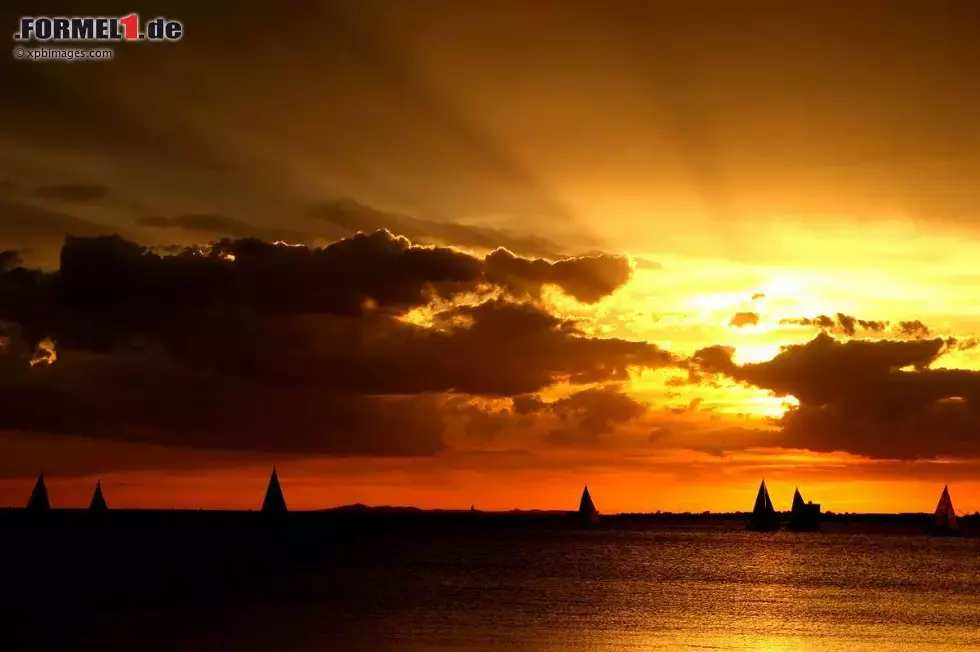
526 588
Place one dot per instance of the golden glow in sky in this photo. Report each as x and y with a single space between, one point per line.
802 301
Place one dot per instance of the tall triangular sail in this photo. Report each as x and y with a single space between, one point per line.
945 517
764 517
274 500
763 505
586 508
798 503
39 497
98 503
804 517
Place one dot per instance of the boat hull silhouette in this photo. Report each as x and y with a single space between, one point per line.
804 517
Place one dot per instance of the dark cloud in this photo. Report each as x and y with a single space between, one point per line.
586 415
528 404
497 348
873 326
714 359
741 319
823 321
109 289
586 278
820 321
811 371
150 400
878 398
847 323
913 328
351 216
692 406
81 193
962 345
797 321
519 348
840 323
482 422
275 347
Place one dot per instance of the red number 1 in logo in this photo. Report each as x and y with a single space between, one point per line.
130 24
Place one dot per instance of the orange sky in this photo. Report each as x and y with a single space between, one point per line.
322 485
773 163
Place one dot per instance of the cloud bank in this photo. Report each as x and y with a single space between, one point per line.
262 346
878 398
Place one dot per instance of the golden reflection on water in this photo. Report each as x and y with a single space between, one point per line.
791 593
629 591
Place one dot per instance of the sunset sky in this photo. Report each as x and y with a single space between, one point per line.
666 249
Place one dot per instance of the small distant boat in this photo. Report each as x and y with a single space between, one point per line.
804 517
586 508
275 502
98 503
944 522
764 517
38 502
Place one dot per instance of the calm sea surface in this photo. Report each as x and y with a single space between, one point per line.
597 590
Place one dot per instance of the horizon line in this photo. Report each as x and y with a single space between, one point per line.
410 508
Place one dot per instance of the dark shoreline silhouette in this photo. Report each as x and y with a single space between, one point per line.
39 515
358 513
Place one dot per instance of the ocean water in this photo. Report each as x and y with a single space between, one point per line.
149 584
418 590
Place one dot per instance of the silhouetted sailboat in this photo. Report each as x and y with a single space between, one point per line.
804 517
39 497
764 517
586 508
274 500
98 503
944 522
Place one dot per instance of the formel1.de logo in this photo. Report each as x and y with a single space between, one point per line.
97 29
